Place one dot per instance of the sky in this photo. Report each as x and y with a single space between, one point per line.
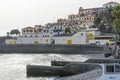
17 14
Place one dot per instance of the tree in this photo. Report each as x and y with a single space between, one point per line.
67 30
97 21
116 15
14 31
82 14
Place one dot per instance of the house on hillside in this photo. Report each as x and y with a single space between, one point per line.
110 4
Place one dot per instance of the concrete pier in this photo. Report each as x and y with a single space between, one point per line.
36 70
59 63
67 70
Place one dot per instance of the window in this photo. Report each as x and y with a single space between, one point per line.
25 36
39 30
110 6
110 68
36 36
61 27
27 30
81 34
106 7
50 32
35 31
44 30
83 24
31 36
117 68
47 31
31 30
23 30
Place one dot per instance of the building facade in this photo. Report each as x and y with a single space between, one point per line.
110 4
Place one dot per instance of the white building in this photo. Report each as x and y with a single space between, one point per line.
58 29
82 37
29 32
110 4
55 29
78 38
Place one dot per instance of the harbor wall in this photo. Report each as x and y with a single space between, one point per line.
63 49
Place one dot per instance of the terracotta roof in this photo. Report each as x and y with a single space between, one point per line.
61 19
72 15
29 27
92 8
112 2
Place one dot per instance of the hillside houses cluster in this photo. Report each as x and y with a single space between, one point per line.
84 19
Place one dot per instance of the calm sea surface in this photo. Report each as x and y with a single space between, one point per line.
13 66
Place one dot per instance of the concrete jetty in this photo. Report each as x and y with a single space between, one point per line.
66 70
69 68
36 70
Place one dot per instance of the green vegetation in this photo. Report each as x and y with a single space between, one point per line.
15 31
82 15
107 19
97 20
116 21
67 30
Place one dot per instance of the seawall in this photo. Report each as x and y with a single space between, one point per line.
65 49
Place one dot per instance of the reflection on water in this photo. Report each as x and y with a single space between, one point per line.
13 66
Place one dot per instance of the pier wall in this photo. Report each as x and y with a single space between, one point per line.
65 49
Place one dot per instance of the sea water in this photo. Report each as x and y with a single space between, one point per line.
13 66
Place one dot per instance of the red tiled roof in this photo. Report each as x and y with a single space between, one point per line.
112 2
61 19
29 27
91 8
72 15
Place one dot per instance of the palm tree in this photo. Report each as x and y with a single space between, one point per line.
116 15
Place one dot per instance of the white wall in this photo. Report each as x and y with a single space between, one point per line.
78 38
29 40
75 40
109 5
11 41
102 42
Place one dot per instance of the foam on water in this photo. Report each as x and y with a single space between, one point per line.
13 66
